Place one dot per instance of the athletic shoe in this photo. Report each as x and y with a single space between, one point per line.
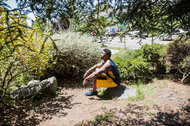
91 93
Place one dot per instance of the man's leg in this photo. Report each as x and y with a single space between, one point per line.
94 84
93 91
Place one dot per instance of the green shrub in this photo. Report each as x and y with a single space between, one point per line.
154 55
76 53
132 67
178 57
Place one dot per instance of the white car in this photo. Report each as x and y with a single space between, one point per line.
167 37
134 33
182 31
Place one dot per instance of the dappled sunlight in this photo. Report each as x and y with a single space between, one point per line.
32 113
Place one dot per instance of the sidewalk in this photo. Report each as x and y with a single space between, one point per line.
132 43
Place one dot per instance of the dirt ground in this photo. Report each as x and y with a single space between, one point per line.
165 103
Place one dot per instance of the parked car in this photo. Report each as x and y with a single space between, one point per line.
138 34
179 31
112 32
182 31
143 34
134 33
167 36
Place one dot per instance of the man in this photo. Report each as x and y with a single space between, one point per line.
103 74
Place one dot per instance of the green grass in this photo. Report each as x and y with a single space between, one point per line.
100 119
148 104
148 90
142 91
161 86
101 91
105 101
149 113
139 96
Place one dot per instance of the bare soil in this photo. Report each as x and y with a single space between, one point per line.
165 103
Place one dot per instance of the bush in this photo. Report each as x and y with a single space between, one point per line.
132 67
21 51
154 55
76 53
178 56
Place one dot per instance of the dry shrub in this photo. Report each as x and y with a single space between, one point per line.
75 54
178 57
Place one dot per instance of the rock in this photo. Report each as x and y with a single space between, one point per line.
48 86
25 91
33 82
120 92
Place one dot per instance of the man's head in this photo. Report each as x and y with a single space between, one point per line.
106 54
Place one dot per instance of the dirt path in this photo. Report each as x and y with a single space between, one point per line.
165 103
81 108
160 96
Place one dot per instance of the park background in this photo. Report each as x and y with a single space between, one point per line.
63 38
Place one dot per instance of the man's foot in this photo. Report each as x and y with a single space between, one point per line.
91 93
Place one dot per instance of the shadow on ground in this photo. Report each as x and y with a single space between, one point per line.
165 117
134 115
31 114
120 92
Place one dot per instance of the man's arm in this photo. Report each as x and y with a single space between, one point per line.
92 69
103 69
106 67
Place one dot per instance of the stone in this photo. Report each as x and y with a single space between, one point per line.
48 86
25 91
120 92
33 82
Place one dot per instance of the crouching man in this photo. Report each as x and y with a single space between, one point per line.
103 75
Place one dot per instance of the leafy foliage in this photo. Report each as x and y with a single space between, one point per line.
154 17
141 64
131 66
154 55
95 23
20 51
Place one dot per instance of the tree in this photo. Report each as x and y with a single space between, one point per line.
94 26
94 23
156 16
62 11
20 50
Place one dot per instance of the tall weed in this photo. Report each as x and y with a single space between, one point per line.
75 54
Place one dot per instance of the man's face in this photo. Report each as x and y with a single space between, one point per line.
103 55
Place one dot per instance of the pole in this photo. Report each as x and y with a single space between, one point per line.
124 43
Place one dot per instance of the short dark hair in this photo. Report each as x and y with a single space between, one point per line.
108 52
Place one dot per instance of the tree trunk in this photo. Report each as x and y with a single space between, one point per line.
101 40
184 77
152 40
124 43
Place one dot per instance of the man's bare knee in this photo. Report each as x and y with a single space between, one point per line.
97 69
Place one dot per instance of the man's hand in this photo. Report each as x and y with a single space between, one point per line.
85 82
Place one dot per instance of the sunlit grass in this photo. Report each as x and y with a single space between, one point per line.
148 103
149 113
